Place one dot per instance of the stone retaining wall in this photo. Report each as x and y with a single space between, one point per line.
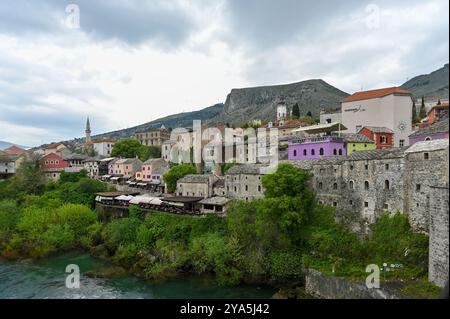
329 287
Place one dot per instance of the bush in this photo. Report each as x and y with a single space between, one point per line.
175 173
121 232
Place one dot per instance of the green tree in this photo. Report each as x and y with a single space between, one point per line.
296 111
422 111
225 167
439 102
415 117
175 173
147 152
127 148
288 180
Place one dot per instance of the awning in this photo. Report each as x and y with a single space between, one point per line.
145 200
115 178
142 184
106 176
124 198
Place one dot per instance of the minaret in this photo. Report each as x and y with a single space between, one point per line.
88 131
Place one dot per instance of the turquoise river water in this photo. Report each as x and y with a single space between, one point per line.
46 279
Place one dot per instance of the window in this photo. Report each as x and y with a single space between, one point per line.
335 186
320 185
305 152
295 153
383 139
335 204
350 202
366 167
321 151
365 145
386 206
366 185
340 152
313 152
334 152
426 156
428 138
235 188
386 166
259 188
402 143
386 184
320 202
246 188
366 204
351 167
351 185
418 187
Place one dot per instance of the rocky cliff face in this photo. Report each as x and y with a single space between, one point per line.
433 85
260 102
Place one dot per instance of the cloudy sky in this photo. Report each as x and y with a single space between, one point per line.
131 61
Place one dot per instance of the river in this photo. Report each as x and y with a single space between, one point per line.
46 279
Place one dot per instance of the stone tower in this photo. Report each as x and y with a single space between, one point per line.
281 110
88 131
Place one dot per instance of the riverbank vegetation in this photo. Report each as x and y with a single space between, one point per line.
271 240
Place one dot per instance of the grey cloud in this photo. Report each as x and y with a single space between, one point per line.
132 22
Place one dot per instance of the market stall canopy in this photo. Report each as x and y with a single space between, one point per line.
145 200
322 128
126 198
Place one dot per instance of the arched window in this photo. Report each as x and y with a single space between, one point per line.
366 185
335 186
313 152
351 185
295 153
386 184
340 152
321 151
334 152
320 185
305 153
428 138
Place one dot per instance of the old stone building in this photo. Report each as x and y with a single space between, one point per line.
153 137
425 168
196 186
244 182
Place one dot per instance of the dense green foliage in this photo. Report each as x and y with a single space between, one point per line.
130 148
48 218
27 180
269 240
175 173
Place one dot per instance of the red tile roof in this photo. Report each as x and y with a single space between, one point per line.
14 150
372 94
52 146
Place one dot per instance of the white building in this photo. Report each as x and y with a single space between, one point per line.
281 111
388 107
103 147
328 117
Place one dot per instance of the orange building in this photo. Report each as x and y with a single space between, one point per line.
383 136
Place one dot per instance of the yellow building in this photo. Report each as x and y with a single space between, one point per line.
358 142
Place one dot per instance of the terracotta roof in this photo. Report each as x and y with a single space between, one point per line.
52 146
14 150
372 94
289 123
435 128
104 140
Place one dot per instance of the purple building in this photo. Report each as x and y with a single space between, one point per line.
316 147
438 130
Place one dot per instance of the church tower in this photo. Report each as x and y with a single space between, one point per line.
88 131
